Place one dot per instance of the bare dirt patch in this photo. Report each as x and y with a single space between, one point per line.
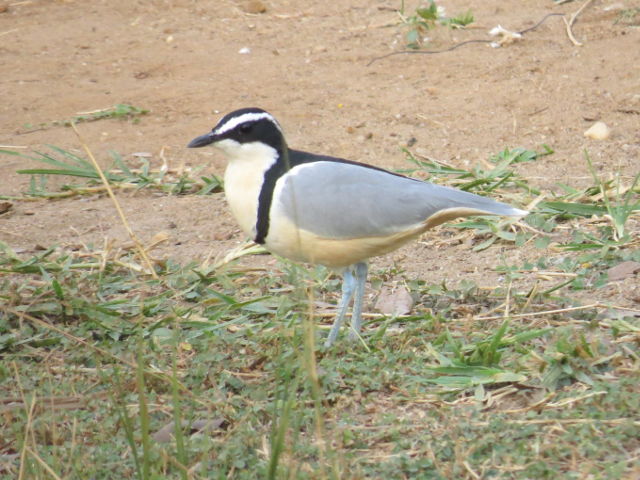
307 63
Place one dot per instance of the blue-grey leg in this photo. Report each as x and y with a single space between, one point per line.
360 270
348 287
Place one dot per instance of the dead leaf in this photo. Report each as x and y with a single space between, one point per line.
158 238
166 433
623 270
5 207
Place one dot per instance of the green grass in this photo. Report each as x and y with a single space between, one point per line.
216 371
121 111
629 17
119 174
426 18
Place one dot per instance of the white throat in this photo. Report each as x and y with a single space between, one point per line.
244 177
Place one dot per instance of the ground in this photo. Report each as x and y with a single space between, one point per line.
316 67
309 65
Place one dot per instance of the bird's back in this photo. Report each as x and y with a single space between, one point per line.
342 200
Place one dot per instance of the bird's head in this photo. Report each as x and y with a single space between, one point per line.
242 132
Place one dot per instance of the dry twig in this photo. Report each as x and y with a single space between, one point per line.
569 23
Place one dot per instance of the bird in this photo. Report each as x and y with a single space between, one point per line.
325 210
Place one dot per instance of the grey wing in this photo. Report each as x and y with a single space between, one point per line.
345 200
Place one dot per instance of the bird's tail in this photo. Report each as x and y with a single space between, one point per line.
457 203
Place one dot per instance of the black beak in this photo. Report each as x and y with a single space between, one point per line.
202 140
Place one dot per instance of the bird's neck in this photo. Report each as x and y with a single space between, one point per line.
244 178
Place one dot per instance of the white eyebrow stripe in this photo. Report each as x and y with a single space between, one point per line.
246 117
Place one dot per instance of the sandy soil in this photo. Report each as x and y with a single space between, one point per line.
308 65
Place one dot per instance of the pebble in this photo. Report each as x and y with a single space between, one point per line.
254 7
598 131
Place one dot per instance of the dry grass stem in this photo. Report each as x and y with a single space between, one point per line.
569 23
123 218
42 463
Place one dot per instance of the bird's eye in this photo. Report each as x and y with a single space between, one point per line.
245 128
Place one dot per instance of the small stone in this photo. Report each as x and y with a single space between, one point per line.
254 7
598 131
394 301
